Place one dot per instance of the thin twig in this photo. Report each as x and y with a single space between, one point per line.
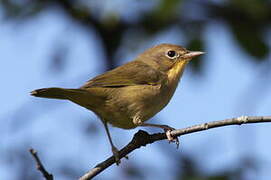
40 166
142 138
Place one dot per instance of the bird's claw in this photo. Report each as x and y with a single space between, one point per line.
117 155
170 138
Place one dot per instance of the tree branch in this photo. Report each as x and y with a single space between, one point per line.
40 166
142 138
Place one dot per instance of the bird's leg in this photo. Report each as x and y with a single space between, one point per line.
166 128
115 151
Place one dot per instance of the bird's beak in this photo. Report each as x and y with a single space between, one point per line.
192 54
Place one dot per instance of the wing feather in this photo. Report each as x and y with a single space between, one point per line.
132 73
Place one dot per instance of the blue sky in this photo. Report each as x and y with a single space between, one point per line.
230 86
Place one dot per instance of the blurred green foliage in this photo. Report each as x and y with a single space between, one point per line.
248 20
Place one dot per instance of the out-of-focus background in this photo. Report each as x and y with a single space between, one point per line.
46 43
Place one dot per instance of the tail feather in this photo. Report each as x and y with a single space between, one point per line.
55 93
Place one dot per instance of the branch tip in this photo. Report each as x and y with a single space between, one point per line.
40 166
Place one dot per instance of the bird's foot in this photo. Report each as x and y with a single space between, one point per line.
170 138
116 154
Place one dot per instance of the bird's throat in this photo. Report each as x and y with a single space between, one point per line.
175 73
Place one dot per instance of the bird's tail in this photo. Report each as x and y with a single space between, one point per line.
57 93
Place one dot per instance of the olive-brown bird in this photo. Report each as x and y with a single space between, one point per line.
130 94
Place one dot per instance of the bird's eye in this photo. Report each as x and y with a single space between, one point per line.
171 54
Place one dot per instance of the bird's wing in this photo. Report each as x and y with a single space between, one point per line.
132 73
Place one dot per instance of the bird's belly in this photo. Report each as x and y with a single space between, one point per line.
143 101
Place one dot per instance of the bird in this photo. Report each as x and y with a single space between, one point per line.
129 95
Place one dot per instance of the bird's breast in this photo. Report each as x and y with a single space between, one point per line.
142 101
